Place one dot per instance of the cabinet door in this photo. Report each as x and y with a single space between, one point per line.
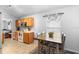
16 35
26 21
31 37
18 22
26 37
30 22
2 38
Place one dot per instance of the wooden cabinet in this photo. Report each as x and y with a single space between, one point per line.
28 21
28 37
18 23
15 35
2 38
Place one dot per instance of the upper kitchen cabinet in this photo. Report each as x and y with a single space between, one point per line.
30 22
18 23
27 21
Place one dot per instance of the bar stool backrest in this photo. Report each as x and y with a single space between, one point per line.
63 38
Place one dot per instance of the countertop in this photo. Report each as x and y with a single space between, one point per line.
56 38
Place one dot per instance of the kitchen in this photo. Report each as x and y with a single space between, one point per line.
40 31
23 27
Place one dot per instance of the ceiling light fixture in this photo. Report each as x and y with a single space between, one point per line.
10 5
0 12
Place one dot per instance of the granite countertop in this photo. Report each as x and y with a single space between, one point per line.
56 37
42 36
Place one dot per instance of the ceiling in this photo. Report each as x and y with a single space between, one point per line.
24 10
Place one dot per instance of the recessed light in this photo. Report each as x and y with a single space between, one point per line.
0 12
10 5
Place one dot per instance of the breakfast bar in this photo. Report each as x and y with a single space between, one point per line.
57 39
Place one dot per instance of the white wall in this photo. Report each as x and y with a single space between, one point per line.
5 16
70 26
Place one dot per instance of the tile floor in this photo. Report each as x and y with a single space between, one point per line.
15 47
18 48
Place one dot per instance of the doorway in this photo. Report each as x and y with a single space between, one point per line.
6 30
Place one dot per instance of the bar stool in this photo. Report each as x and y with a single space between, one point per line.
61 46
43 47
52 46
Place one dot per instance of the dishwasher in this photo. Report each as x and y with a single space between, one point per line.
20 37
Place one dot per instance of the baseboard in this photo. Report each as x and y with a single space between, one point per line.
73 51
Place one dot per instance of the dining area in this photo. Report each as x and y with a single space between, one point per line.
53 45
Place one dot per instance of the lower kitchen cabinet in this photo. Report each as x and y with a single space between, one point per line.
15 35
28 37
2 38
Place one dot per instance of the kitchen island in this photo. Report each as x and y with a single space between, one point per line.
56 40
28 37
25 37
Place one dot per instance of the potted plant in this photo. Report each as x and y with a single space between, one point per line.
51 34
